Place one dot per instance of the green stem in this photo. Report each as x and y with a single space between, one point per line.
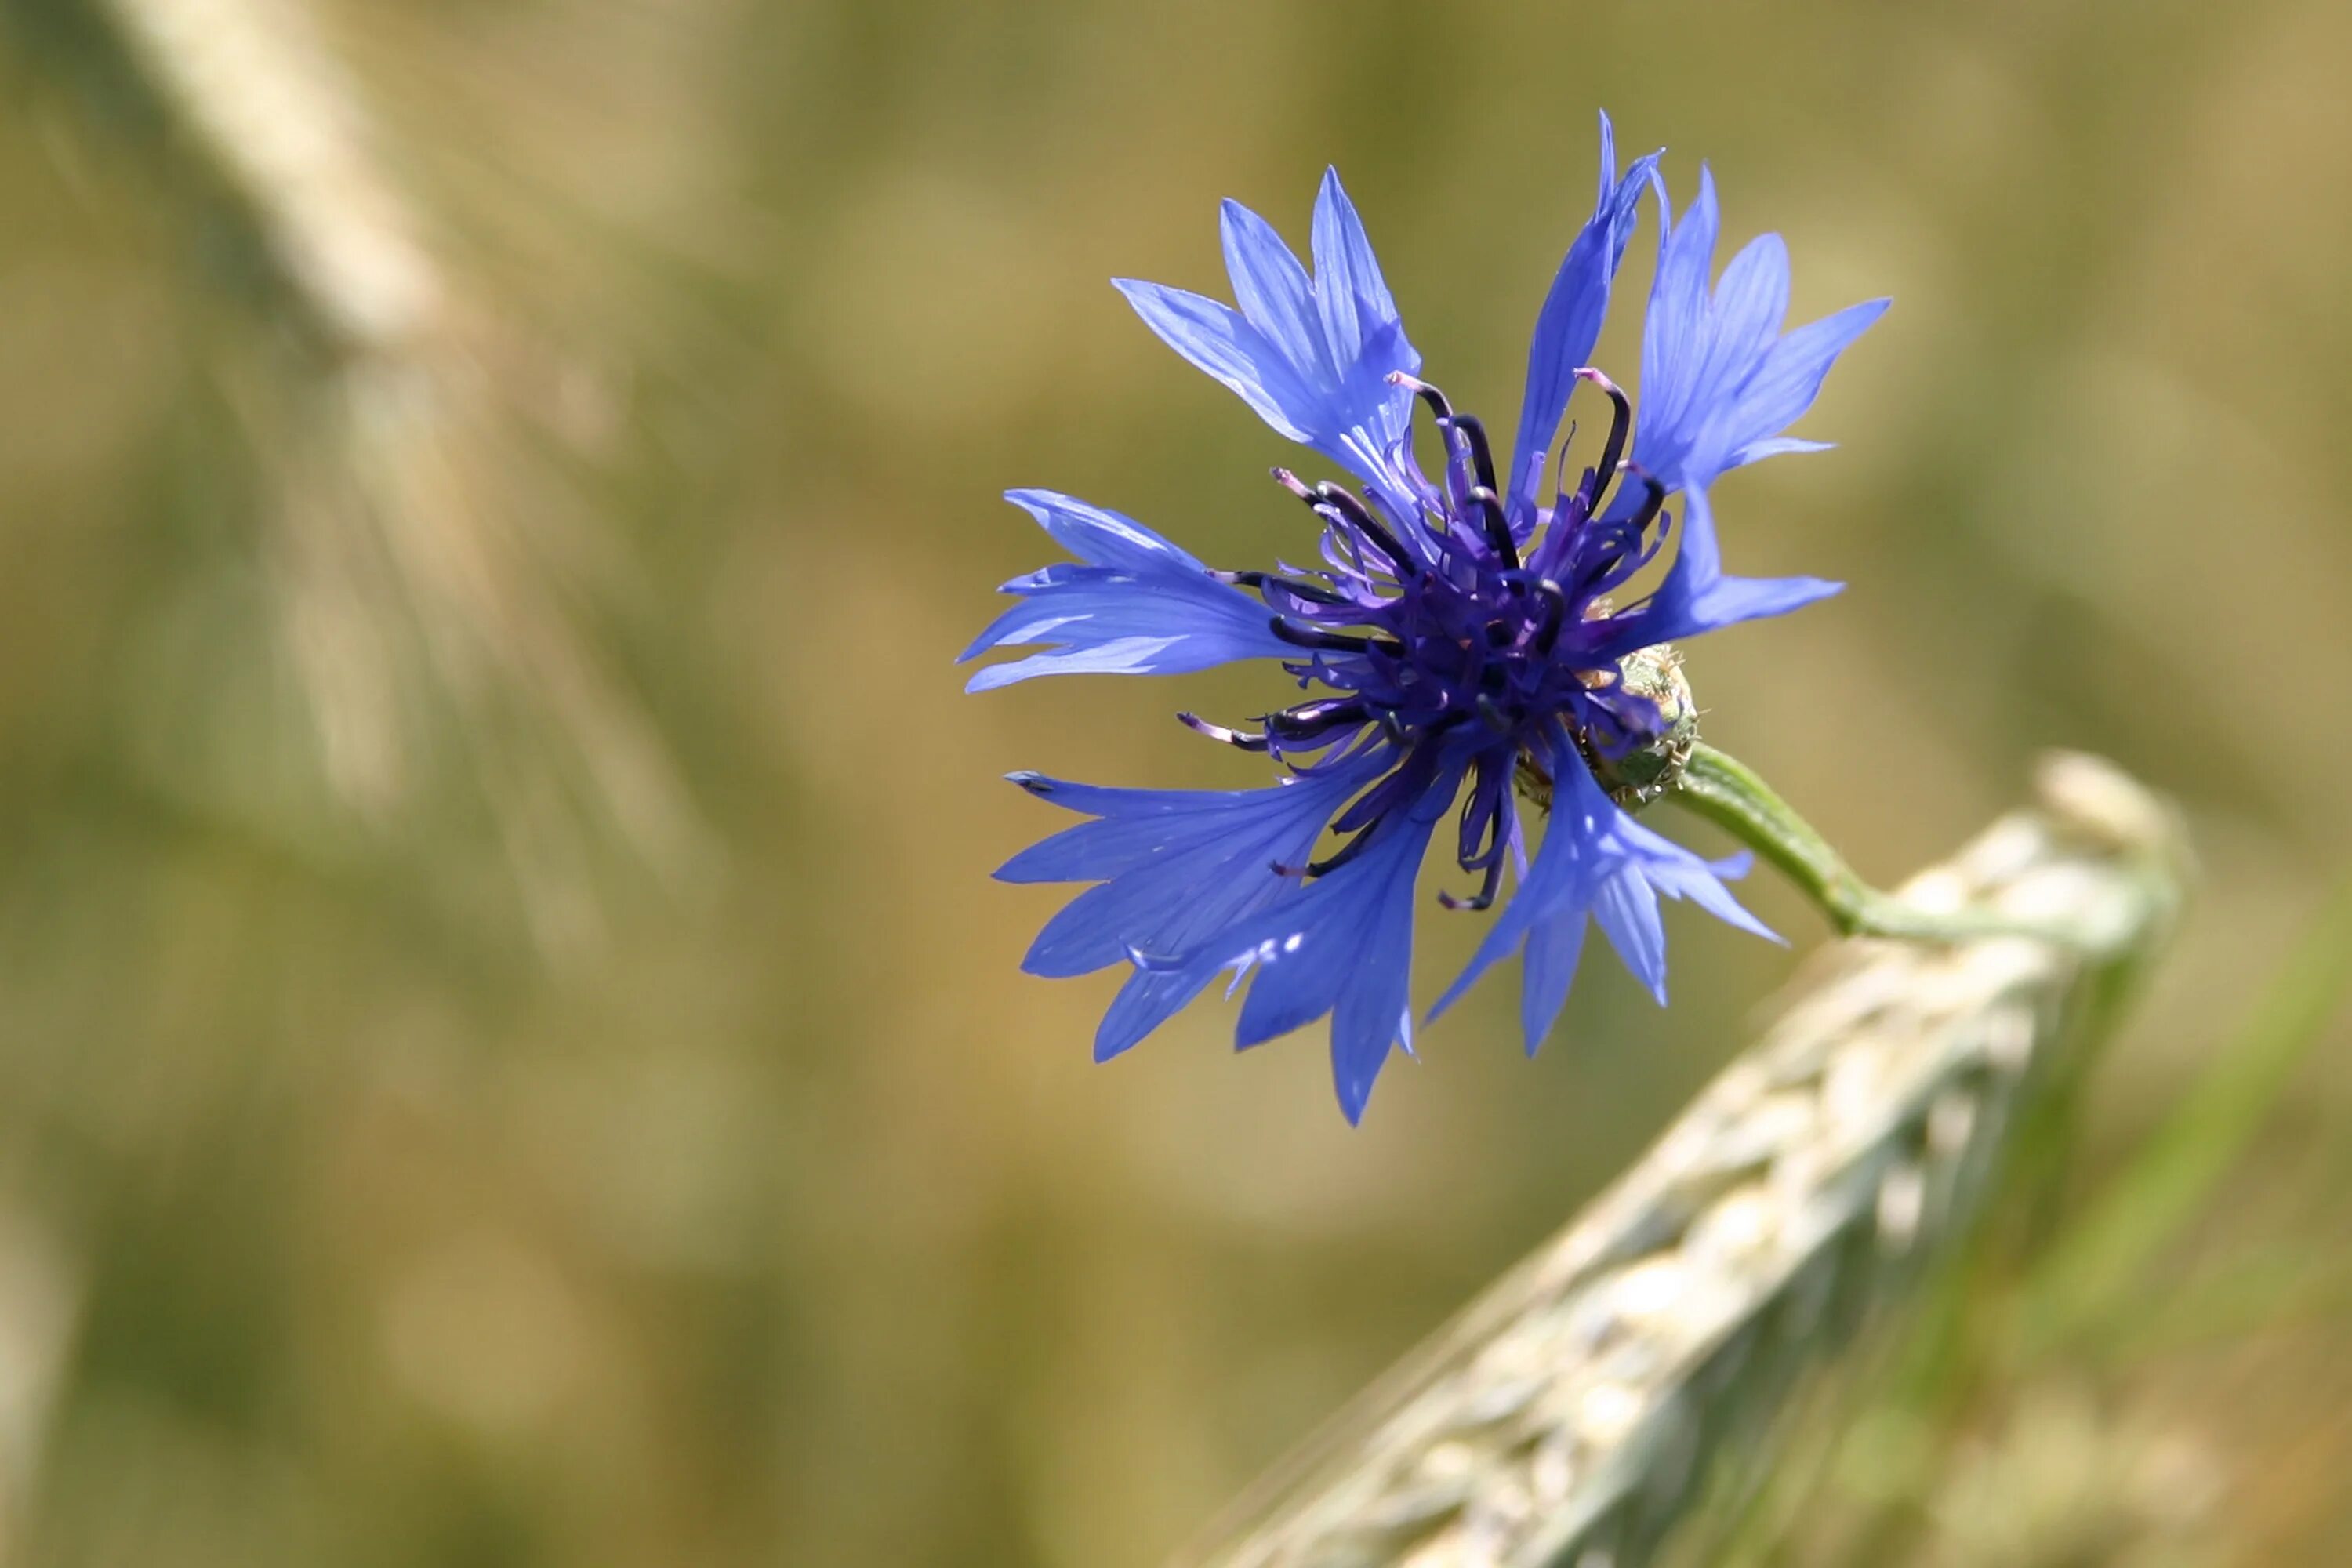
1728 792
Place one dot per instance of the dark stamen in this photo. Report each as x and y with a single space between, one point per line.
1559 469
1300 635
1498 527
1654 496
1485 898
1295 485
1394 728
1350 507
1482 815
1342 855
1261 580
1352 511
1555 615
1427 393
1199 725
1311 719
1613 448
1482 456
1492 711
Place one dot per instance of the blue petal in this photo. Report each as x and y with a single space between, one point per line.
1371 414
1118 625
1343 945
1673 335
1719 381
1569 322
1750 302
1135 826
1785 384
1173 867
1144 909
1697 596
1677 873
1135 605
1312 357
1553 948
1595 862
1757 451
1271 288
1350 293
1627 911
1348 953
1216 339
1099 536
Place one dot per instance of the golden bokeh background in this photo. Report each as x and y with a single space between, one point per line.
509 1052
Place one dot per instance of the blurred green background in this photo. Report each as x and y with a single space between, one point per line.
508 1049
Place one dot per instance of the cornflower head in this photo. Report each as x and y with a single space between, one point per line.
1459 640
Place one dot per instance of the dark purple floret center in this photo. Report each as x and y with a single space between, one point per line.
1459 632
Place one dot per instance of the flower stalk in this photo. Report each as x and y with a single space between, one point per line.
1713 784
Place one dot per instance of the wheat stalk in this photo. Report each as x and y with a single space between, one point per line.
425 544
1572 1414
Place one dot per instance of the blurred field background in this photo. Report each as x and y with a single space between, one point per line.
508 1050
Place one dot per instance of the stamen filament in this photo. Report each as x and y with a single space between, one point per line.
1497 525
1259 581
1654 497
1360 518
1342 855
1438 406
1309 720
1301 635
1613 446
1482 455
1482 899
1328 497
1555 615
1241 739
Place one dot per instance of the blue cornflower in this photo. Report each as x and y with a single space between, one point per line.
1459 640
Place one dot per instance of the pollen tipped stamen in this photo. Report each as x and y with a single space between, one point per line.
1469 464
1438 406
1359 517
1246 742
1301 635
1613 446
1336 504
1484 897
1342 855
